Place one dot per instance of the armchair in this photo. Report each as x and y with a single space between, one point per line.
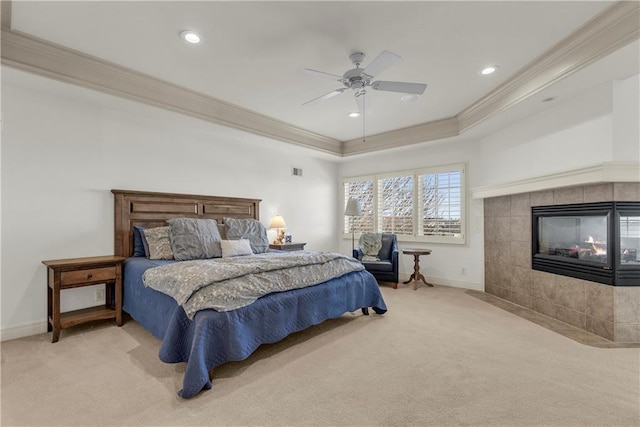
386 269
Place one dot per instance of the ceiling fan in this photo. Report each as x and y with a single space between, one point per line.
359 79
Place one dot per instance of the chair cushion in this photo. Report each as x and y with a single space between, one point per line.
387 244
378 265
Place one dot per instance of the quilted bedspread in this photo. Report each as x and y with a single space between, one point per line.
226 284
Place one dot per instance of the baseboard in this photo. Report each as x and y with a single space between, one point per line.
453 283
21 331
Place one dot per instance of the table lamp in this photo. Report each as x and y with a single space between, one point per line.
277 223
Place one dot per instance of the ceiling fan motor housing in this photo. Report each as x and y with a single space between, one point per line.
355 79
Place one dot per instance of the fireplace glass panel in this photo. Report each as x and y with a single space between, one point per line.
629 240
579 237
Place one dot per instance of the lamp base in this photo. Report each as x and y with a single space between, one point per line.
279 238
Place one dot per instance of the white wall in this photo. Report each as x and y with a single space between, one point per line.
570 134
626 123
64 148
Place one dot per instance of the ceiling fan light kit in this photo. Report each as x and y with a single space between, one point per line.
410 97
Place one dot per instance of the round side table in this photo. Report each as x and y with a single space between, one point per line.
416 275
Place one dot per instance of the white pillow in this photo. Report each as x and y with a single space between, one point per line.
235 247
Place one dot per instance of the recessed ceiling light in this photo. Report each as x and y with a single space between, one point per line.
410 97
354 114
489 69
190 37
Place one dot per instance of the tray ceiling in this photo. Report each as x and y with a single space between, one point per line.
252 54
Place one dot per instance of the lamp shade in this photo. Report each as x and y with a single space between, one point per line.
353 207
277 222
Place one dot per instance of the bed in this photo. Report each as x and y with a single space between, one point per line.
211 338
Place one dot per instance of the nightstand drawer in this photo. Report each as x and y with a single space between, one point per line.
89 275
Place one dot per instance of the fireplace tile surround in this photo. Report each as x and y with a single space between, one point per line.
612 312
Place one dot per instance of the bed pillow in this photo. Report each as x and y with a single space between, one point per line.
371 243
235 248
194 238
158 242
247 228
139 242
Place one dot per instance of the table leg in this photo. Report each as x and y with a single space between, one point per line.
411 278
118 294
416 275
49 308
55 315
421 277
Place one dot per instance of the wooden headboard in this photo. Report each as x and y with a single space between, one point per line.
154 209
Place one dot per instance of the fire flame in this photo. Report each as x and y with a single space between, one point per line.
597 250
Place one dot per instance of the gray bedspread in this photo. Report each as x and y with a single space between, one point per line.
226 284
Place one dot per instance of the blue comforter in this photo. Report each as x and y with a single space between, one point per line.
213 338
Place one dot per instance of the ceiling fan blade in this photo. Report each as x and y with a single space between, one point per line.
323 74
402 87
381 63
325 96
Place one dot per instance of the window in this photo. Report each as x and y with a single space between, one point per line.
363 191
419 205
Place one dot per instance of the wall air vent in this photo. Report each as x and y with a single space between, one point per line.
296 171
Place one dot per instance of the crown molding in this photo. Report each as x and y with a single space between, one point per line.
5 11
424 132
612 29
599 173
615 27
28 53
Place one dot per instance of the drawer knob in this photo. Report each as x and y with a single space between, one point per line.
90 275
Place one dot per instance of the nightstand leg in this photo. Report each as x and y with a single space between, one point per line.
56 335
118 287
55 316
49 308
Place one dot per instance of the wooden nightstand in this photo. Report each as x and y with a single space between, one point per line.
78 272
287 246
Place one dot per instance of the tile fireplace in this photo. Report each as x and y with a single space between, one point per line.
609 310
599 242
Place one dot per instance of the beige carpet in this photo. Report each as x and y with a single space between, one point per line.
438 357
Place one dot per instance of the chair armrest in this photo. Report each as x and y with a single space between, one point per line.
358 253
394 253
394 261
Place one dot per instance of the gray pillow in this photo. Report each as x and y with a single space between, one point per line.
194 238
158 243
247 228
